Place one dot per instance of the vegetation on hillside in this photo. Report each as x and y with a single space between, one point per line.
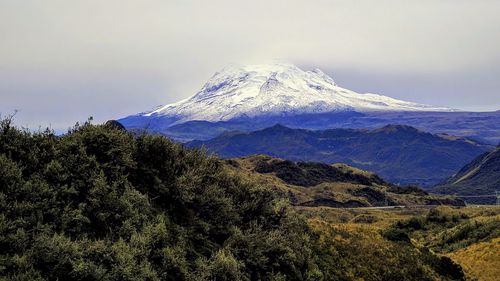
338 185
469 236
99 203
313 173
445 229
363 251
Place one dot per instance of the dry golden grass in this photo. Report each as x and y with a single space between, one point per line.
361 229
480 261
377 218
361 253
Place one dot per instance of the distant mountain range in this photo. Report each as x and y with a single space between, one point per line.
235 113
479 177
399 154
481 126
252 97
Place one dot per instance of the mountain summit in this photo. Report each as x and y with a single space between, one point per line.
274 89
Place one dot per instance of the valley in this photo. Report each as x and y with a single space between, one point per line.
355 210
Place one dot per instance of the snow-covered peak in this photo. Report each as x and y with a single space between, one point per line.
275 89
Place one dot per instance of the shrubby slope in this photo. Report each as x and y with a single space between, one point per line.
101 204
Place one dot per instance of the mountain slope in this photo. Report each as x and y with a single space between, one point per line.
480 177
400 154
270 90
312 184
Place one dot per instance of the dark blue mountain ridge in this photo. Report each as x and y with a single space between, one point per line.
400 154
482 126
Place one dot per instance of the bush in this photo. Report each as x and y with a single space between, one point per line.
101 204
396 234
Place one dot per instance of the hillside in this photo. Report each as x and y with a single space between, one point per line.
469 236
479 177
399 154
99 203
338 185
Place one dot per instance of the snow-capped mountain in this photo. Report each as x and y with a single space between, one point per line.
275 89
252 97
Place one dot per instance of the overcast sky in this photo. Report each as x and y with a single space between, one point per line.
62 61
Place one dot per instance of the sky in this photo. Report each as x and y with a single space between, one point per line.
62 61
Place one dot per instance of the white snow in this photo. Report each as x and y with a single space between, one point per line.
273 89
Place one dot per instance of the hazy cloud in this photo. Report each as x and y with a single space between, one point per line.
61 61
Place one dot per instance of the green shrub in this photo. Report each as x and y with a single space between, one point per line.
101 204
396 234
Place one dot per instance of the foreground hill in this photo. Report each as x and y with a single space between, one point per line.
101 204
338 185
399 154
479 177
